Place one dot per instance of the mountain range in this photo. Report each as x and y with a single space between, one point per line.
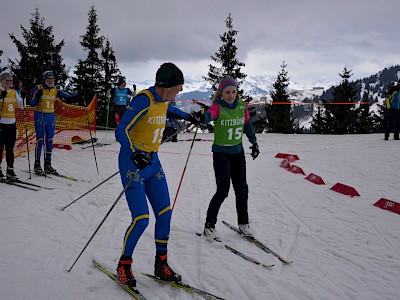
259 87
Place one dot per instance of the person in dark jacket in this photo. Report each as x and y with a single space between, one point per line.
393 122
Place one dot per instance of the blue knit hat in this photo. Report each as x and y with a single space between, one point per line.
47 74
227 82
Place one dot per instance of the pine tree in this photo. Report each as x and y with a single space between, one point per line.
38 54
364 121
226 57
89 72
280 115
111 75
318 123
340 113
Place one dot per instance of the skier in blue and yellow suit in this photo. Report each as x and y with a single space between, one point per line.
140 132
43 98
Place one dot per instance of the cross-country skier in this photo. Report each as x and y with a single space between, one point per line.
43 99
139 133
9 100
231 120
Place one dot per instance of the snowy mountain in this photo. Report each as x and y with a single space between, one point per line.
255 86
259 86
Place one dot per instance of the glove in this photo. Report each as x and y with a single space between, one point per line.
39 94
196 117
141 159
3 94
254 151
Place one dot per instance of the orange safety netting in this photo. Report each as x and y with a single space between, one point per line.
72 125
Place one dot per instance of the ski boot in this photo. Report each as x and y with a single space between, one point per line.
245 230
162 270
125 273
37 168
48 168
210 232
10 174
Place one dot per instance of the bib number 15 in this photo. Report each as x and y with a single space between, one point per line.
237 134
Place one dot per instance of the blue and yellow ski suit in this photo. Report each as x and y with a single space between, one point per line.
44 116
141 129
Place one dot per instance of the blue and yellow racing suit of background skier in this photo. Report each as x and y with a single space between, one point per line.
44 116
141 129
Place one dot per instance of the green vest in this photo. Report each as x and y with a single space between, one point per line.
228 127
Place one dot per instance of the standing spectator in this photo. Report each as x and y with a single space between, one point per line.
121 96
393 122
43 99
231 120
19 88
140 133
8 129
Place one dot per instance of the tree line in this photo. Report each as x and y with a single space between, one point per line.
39 52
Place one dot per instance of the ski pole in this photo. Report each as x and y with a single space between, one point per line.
27 145
44 134
166 140
108 96
90 132
101 223
63 208
184 169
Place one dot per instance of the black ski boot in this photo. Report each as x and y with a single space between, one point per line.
162 270
10 174
125 273
37 168
48 168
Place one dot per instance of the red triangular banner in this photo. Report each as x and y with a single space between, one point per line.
345 189
296 169
388 205
315 179
290 157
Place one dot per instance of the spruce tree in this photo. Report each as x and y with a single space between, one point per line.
226 58
89 72
111 75
280 115
38 54
318 123
340 113
364 121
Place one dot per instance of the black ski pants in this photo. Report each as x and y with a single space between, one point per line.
393 123
229 167
8 136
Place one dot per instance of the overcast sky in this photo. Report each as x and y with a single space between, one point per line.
315 38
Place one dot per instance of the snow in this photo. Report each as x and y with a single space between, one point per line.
342 247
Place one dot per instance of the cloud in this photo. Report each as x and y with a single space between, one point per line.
316 38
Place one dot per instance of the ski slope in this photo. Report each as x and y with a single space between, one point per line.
342 247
